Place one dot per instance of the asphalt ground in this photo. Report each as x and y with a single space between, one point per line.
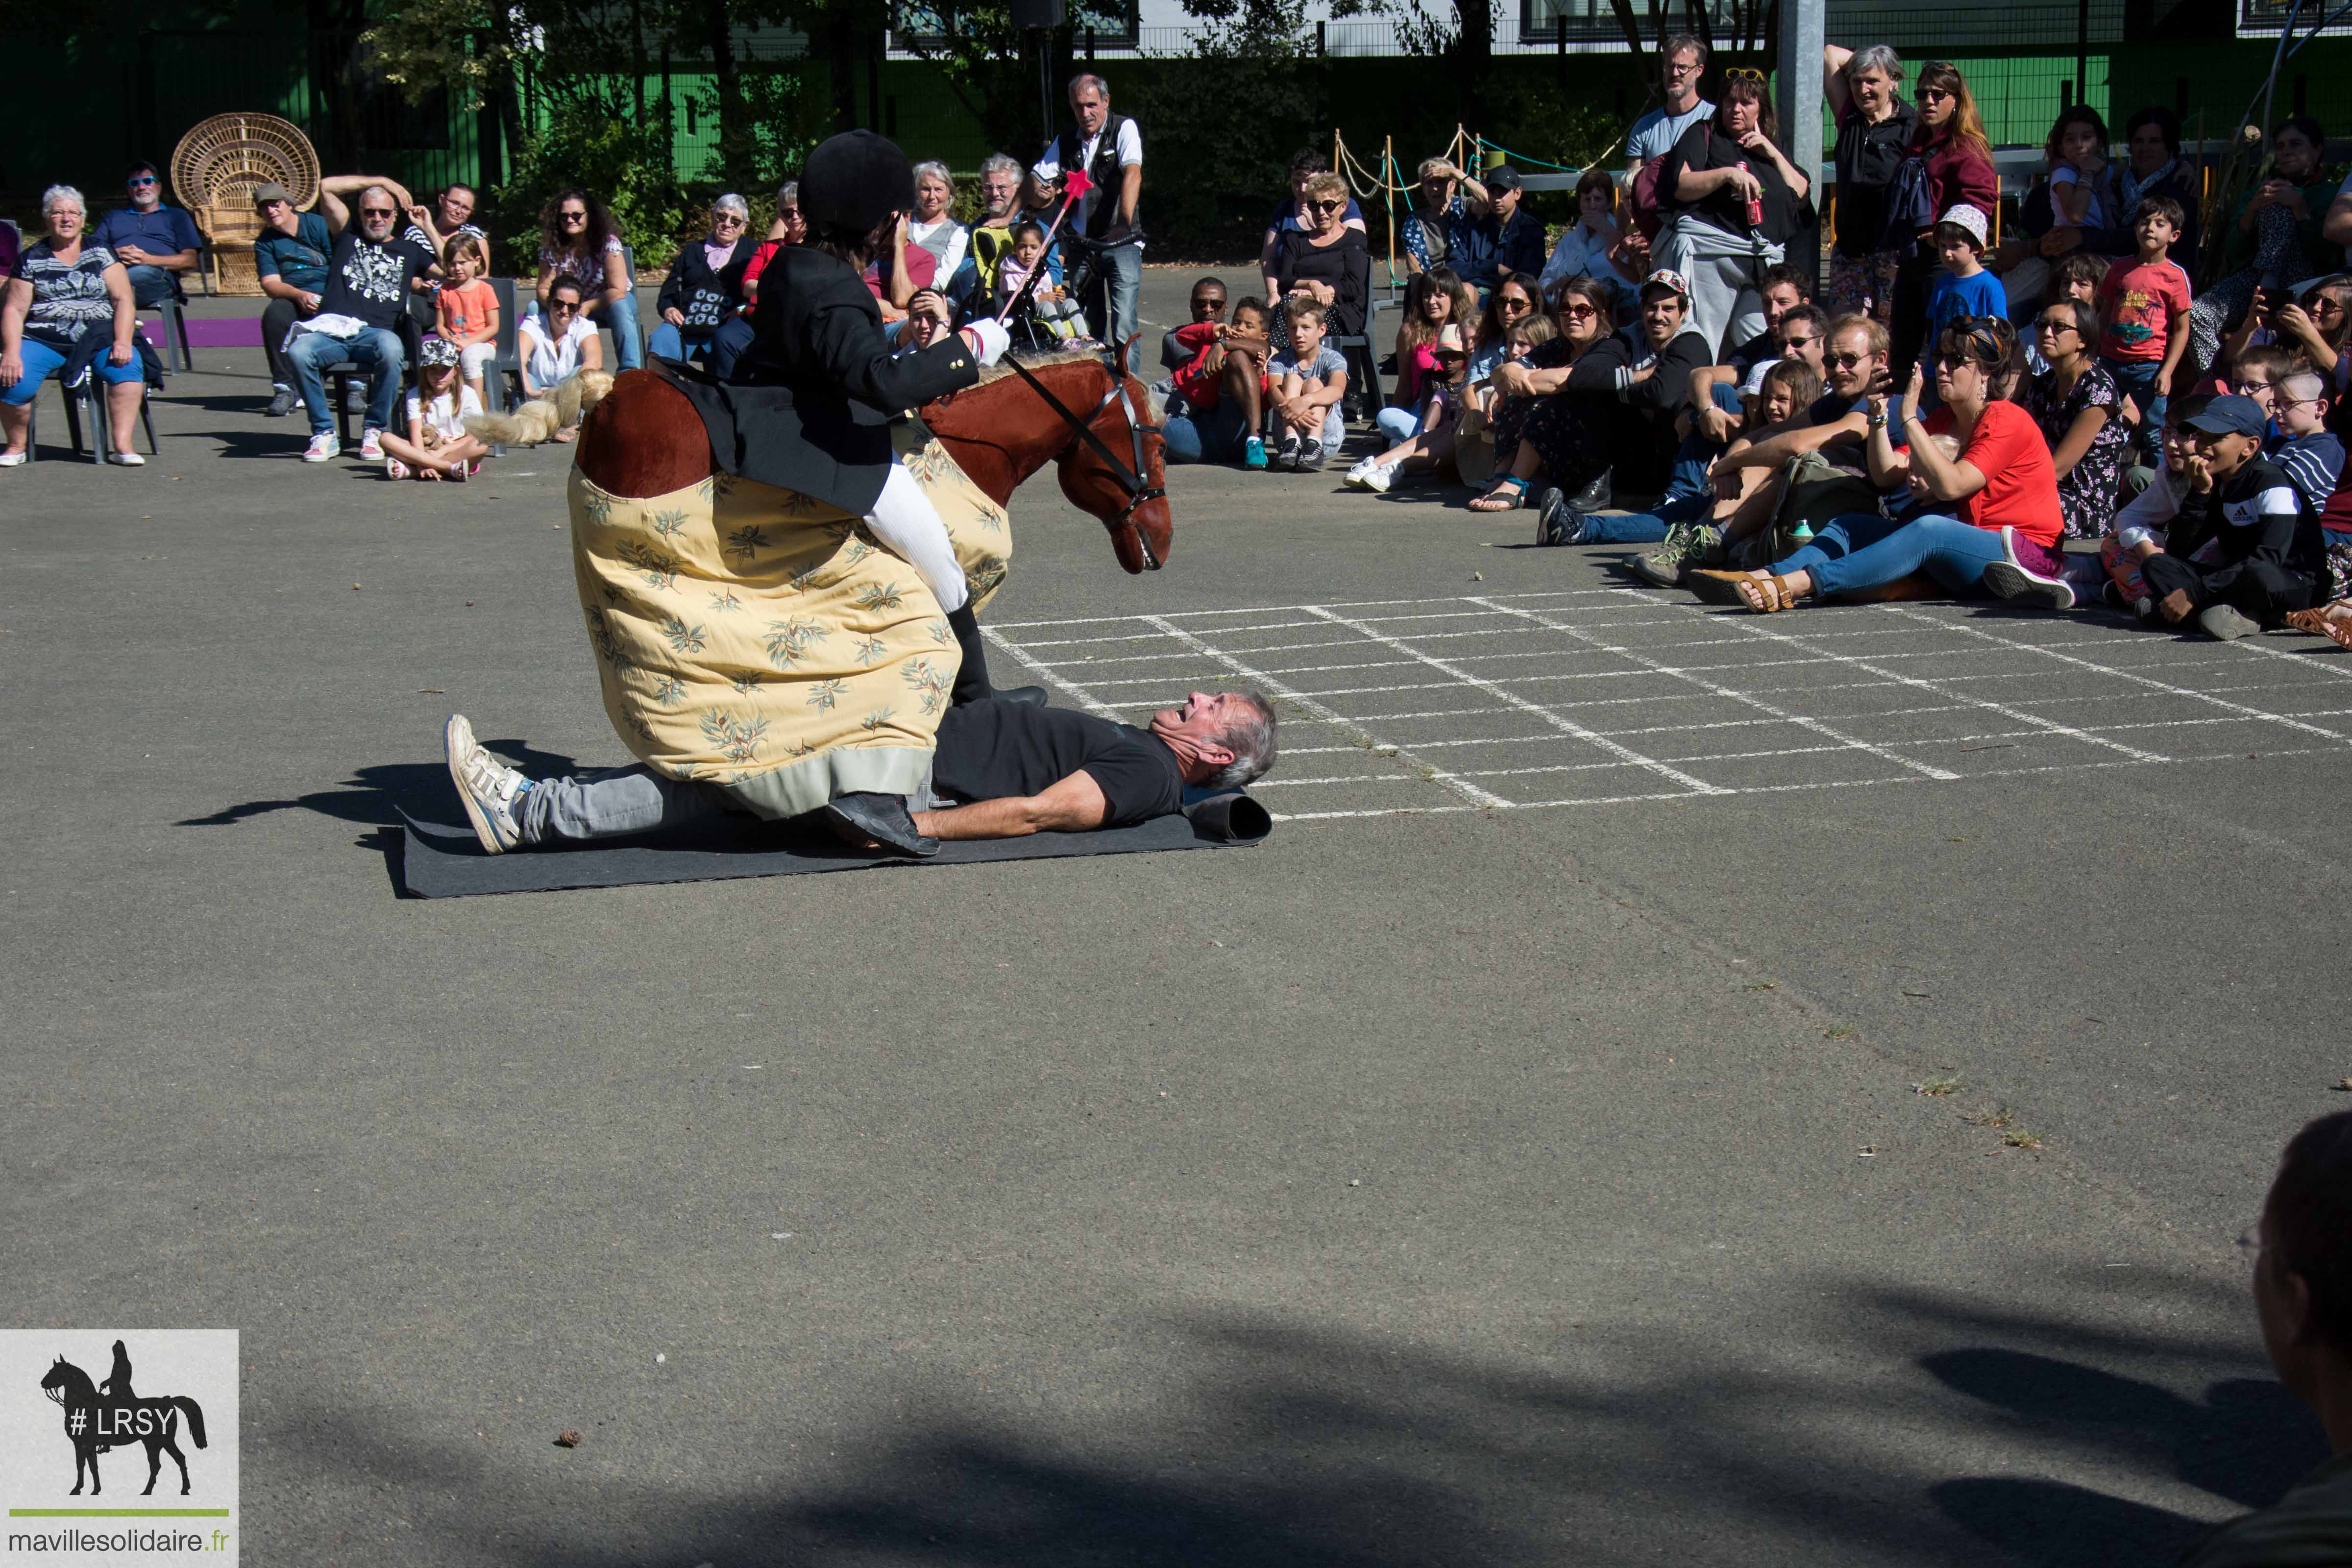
1450 1179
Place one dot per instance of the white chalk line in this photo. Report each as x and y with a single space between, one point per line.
1558 721
1285 609
1485 799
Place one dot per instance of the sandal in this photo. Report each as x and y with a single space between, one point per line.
1510 493
1718 587
2320 623
1766 595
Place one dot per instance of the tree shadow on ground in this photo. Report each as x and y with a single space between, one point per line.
1310 1445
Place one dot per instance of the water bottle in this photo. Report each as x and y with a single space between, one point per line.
1755 202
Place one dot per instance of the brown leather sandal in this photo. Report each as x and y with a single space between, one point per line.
1718 587
2319 623
1767 595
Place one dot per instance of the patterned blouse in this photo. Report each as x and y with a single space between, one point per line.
1416 236
2086 496
68 298
586 271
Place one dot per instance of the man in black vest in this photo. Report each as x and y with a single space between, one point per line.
1110 149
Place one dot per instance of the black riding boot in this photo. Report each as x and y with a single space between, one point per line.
972 677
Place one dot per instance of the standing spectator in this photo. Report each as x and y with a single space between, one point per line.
2079 410
1874 130
1326 259
1443 200
577 240
154 243
705 287
1962 288
368 274
1304 162
557 344
290 259
1682 61
1949 165
2144 310
1508 242
1593 244
1734 196
1110 149
67 310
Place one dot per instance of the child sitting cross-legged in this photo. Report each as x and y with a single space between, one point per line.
1309 379
436 446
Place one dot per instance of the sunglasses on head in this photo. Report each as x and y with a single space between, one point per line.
1744 73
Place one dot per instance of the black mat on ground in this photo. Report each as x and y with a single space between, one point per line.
440 861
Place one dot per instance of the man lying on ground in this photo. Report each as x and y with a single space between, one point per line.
1004 769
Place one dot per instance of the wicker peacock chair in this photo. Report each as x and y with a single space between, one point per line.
216 169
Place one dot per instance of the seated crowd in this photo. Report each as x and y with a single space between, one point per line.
1957 414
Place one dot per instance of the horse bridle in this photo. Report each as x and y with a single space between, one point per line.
1129 479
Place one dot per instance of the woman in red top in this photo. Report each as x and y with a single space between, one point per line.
1994 498
1956 160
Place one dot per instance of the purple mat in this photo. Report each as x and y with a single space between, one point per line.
215 332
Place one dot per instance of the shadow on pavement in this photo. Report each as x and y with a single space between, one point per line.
1285 1444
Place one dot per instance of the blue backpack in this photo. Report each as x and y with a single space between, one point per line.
1910 205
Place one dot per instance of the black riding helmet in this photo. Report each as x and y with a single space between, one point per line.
852 183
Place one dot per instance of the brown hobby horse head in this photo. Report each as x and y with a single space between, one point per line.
646 439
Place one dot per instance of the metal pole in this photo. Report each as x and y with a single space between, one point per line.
1804 31
2082 51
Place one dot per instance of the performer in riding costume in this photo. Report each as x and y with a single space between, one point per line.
750 634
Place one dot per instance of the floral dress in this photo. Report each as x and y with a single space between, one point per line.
2086 496
1570 429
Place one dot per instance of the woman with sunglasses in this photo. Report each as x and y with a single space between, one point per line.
1733 201
1326 260
1949 165
2078 406
1995 499
68 307
1512 303
705 287
577 239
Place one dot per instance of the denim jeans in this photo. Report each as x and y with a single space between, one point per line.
613 803
727 346
1190 434
676 342
2136 378
151 285
1119 277
1644 527
1399 424
1863 550
42 361
376 351
621 318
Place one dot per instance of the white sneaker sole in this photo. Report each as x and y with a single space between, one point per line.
456 739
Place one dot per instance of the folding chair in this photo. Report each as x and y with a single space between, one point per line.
1363 365
177 356
88 399
503 387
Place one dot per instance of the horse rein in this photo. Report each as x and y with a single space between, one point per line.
1131 480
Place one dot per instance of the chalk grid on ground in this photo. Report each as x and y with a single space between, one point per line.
1599 696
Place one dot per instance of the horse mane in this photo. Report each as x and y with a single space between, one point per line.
1147 414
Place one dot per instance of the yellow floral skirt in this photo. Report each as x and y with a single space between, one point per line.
760 640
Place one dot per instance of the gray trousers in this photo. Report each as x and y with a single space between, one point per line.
615 802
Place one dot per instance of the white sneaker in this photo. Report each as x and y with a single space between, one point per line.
12 459
323 446
1373 475
126 459
372 445
487 786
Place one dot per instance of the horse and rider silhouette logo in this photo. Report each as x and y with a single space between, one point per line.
110 1415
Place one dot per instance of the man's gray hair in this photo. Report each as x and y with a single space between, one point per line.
1085 79
731 202
1250 739
1879 58
1673 44
1000 163
60 195
938 171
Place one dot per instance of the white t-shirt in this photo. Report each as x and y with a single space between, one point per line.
1655 135
548 363
945 240
1049 168
444 416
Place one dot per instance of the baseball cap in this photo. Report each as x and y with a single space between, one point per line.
436 351
2232 415
1501 177
1665 277
272 191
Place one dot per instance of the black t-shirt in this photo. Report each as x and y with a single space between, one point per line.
993 750
370 281
1867 156
1702 148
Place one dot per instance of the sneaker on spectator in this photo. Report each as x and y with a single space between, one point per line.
372 445
1307 456
322 446
281 402
2012 580
1253 453
1371 474
1286 456
1688 545
2225 625
1558 523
